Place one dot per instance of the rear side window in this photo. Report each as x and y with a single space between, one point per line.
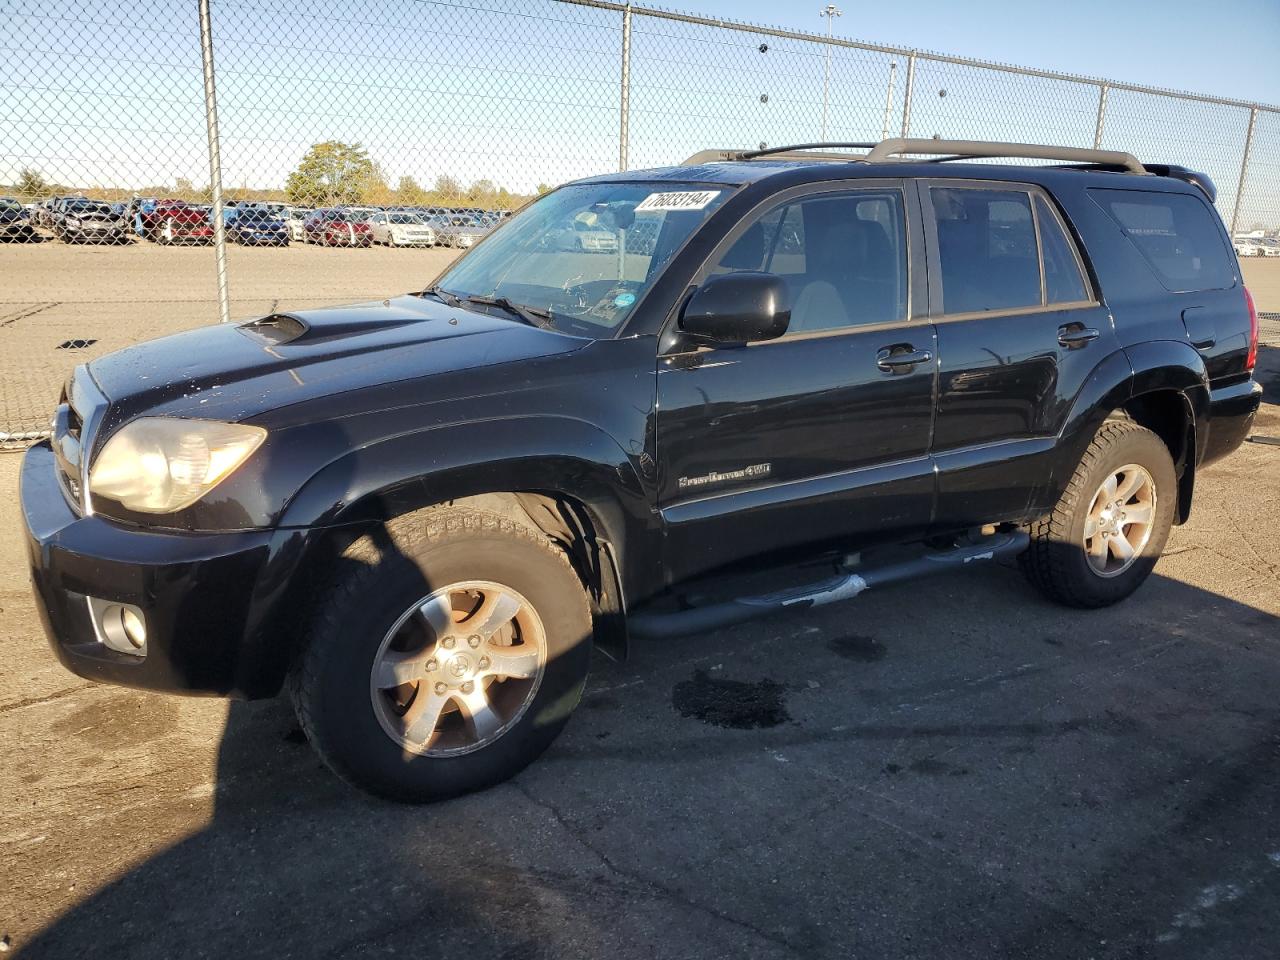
986 249
1176 233
1063 282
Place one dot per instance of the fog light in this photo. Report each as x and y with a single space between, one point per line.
119 626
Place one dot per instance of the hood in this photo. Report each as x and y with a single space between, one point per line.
234 372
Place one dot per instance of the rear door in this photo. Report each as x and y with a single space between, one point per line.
1020 329
823 434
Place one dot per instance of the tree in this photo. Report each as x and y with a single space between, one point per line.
482 192
184 188
409 192
447 186
332 172
543 188
31 184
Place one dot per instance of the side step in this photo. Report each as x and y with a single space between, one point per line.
661 626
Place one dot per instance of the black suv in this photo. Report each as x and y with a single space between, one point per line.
419 515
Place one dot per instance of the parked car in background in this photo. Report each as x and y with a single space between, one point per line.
42 214
1268 246
1246 246
294 218
581 236
15 221
402 229
80 220
176 221
257 227
462 232
338 228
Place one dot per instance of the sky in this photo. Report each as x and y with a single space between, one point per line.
98 93
1230 48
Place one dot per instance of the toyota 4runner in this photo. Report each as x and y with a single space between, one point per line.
420 515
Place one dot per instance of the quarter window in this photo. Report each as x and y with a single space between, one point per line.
844 256
986 249
1176 234
1063 282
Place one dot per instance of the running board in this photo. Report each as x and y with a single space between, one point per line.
661 626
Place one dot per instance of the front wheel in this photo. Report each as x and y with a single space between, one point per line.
446 656
1110 525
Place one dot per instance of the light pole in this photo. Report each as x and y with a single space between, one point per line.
830 11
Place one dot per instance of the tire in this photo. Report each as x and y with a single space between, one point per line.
1058 560
379 584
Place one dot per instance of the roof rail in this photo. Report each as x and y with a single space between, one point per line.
972 149
953 149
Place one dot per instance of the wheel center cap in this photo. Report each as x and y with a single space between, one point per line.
459 666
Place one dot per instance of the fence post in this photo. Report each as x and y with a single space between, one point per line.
906 95
1103 90
215 161
1244 168
888 100
624 107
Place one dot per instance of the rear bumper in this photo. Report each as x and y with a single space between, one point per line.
1231 413
196 591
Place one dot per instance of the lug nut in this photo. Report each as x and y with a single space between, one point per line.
431 665
474 641
447 643
468 687
441 688
484 663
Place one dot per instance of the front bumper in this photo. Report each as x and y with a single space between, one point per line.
196 591
1231 413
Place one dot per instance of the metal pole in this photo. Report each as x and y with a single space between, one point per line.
830 11
215 162
624 107
1244 168
906 95
888 100
1103 90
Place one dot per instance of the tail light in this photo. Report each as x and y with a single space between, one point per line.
1251 358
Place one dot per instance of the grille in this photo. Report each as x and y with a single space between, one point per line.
79 411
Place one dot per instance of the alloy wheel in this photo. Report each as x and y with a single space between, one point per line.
1120 520
458 669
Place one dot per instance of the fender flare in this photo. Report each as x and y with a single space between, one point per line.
1138 370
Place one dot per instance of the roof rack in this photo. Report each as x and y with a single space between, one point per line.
951 149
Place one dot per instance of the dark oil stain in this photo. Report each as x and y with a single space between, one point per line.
937 768
295 736
730 703
1053 641
857 647
126 720
601 702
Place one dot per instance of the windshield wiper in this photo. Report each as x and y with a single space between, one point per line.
443 295
530 315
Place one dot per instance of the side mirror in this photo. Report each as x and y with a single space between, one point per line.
738 308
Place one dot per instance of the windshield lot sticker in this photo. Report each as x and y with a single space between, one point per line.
624 299
684 200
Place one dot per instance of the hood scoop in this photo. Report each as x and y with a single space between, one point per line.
275 329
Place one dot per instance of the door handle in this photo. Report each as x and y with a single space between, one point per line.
906 356
1075 335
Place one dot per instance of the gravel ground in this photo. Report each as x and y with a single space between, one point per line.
949 769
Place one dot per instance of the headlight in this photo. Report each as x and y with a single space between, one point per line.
163 464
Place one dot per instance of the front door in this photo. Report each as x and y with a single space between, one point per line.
821 436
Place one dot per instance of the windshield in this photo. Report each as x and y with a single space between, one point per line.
87 206
405 218
585 254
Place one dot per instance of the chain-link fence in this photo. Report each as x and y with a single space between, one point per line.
405 130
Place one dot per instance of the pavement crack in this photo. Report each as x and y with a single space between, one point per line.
660 889
32 701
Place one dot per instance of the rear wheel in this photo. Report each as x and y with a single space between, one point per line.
1108 529
445 658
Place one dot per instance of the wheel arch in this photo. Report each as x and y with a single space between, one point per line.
564 477
1163 386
